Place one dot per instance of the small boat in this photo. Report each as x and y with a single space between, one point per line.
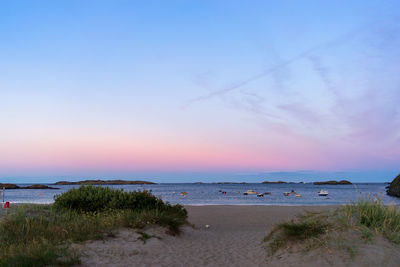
293 192
286 194
322 193
250 192
260 195
182 193
298 195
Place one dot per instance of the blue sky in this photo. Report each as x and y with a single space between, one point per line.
199 90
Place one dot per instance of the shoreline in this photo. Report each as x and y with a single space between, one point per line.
201 205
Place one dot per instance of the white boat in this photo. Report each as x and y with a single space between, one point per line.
322 193
250 192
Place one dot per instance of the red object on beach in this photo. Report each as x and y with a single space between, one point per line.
7 205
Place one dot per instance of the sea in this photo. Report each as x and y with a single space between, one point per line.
213 193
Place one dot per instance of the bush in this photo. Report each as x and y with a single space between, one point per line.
96 198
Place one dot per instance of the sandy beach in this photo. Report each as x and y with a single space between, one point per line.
234 238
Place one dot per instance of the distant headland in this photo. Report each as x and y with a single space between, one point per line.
393 189
102 182
332 182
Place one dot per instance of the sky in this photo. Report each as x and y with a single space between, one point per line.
188 91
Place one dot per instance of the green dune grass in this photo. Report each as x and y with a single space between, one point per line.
341 228
40 235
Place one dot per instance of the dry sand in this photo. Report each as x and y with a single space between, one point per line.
234 238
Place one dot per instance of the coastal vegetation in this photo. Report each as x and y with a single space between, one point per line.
340 229
40 235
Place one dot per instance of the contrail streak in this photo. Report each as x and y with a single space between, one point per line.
268 71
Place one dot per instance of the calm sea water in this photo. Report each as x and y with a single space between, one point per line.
208 194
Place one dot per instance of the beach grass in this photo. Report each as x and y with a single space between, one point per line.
373 216
40 235
342 228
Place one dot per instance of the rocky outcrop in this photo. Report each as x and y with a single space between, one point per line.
274 182
332 182
394 187
38 186
34 186
9 186
104 182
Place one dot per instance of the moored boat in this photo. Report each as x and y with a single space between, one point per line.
322 193
250 192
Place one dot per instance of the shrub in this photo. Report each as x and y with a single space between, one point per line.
96 198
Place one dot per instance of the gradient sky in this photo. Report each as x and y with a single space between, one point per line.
181 91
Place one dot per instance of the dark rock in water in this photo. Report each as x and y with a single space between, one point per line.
105 182
38 186
35 186
394 187
9 186
332 182
274 182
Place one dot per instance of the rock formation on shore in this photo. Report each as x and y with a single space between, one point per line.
332 182
394 187
34 186
104 182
